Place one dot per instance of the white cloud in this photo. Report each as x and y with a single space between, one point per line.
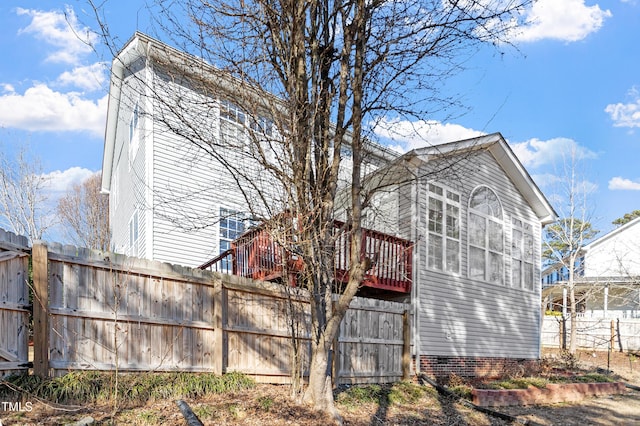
62 31
535 153
62 180
90 77
407 135
42 109
546 179
619 183
565 20
626 115
8 87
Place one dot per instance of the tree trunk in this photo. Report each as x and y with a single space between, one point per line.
320 390
572 305
574 317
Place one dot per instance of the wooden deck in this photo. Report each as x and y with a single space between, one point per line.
256 255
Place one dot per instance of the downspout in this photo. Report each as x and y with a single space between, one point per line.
416 273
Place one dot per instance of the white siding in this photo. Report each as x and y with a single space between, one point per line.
129 173
458 316
191 184
617 255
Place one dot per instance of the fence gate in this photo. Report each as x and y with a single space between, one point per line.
14 303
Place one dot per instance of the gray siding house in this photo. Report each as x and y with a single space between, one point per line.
475 216
471 209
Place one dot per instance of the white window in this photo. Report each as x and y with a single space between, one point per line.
231 111
522 255
486 236
115 188
133 234
232 224
444 229
262 125
134 137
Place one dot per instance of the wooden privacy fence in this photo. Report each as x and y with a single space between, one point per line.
14 303
109 312
594 334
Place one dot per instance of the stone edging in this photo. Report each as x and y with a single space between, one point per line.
552 393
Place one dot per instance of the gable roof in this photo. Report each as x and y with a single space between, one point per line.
496 145
613 234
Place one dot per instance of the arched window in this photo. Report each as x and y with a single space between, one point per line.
486 236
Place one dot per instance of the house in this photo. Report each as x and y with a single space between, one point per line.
607 280
472 211
169 202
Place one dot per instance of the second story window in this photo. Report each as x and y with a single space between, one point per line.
486 236
232 225
134 136
443 229
262 125
133 234
232 112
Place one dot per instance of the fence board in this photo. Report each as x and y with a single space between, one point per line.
107 311
14 301
595 334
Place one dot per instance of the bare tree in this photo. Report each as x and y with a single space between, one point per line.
334 70
84 214
23 195
565 239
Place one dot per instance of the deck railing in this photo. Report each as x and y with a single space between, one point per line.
256 255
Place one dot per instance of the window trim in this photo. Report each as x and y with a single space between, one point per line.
487 239
134 234
225 213
522 259
443 234
134 133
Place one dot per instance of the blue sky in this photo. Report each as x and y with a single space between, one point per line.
572 83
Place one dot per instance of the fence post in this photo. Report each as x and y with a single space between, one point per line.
334 357
218 310
406 346
40 309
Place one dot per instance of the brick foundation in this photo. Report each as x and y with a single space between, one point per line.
553 393
482 367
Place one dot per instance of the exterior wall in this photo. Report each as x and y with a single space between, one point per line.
129 167
178 187
462 317
191 185
615 255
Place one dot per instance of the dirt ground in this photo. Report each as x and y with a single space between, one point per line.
611 410
267 405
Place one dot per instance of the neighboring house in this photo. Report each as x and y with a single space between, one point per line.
607 280
473 212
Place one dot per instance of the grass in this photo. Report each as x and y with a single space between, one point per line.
93 386
355 396
541 382
400 393
265 403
